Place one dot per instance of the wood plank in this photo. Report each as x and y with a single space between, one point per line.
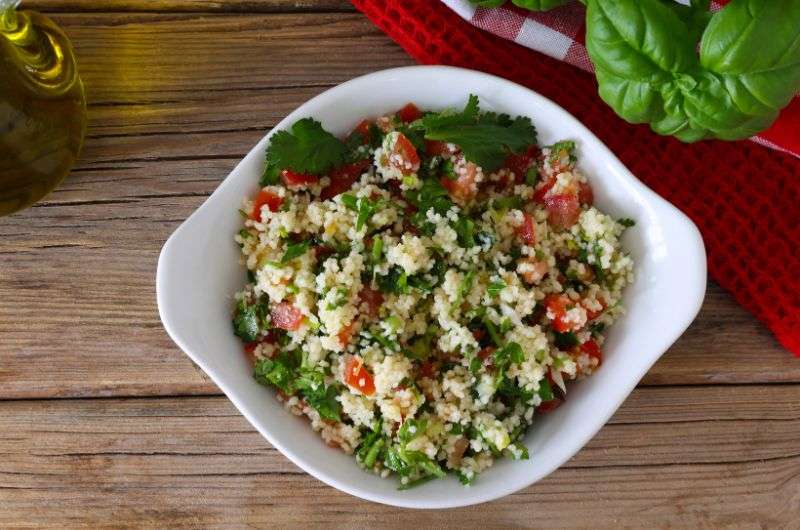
129 58
221 6
195 461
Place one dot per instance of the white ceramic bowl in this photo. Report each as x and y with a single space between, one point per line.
199 271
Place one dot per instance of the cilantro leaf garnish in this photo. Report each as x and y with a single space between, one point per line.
485 139
305 148
446 119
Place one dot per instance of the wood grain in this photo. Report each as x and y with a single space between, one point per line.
175 462
221 6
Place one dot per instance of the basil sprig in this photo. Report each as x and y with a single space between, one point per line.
649 71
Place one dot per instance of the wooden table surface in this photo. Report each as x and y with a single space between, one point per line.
105 422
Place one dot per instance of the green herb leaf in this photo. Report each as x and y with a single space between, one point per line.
485 140
275 372
648 72
517 451
465 229
305 148
545 390
395 282
377 250
626 222
564 145
531 176
463 478
492 330
245 322
321 398
350 201
495 288
507 203
294 250
565 341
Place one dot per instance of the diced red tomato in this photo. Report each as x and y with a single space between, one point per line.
435 147
542 189
404 155
286 316
250 350
268 198
486 352
527 230
346 333
363 128
372 298
520 163
342 179
563 210
463 188
428 369
292 178
322 251
357 377
548 406
591 349
409 113
557 306
585 193
270 338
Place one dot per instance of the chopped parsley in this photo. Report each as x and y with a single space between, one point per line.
295 250
245 322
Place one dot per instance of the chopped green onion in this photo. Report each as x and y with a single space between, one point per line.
492 332
377 249
495 288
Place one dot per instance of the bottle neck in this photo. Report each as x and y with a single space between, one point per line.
37 50
8 15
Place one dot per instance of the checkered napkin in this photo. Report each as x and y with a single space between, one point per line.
559 33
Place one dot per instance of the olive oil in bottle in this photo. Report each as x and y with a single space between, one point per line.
42 107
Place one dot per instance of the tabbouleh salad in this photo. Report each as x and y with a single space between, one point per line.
422 289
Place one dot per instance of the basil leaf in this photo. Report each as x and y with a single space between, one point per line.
638 39
754 48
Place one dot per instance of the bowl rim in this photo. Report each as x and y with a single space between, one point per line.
694 243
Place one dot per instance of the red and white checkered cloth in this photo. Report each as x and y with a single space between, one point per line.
559 33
